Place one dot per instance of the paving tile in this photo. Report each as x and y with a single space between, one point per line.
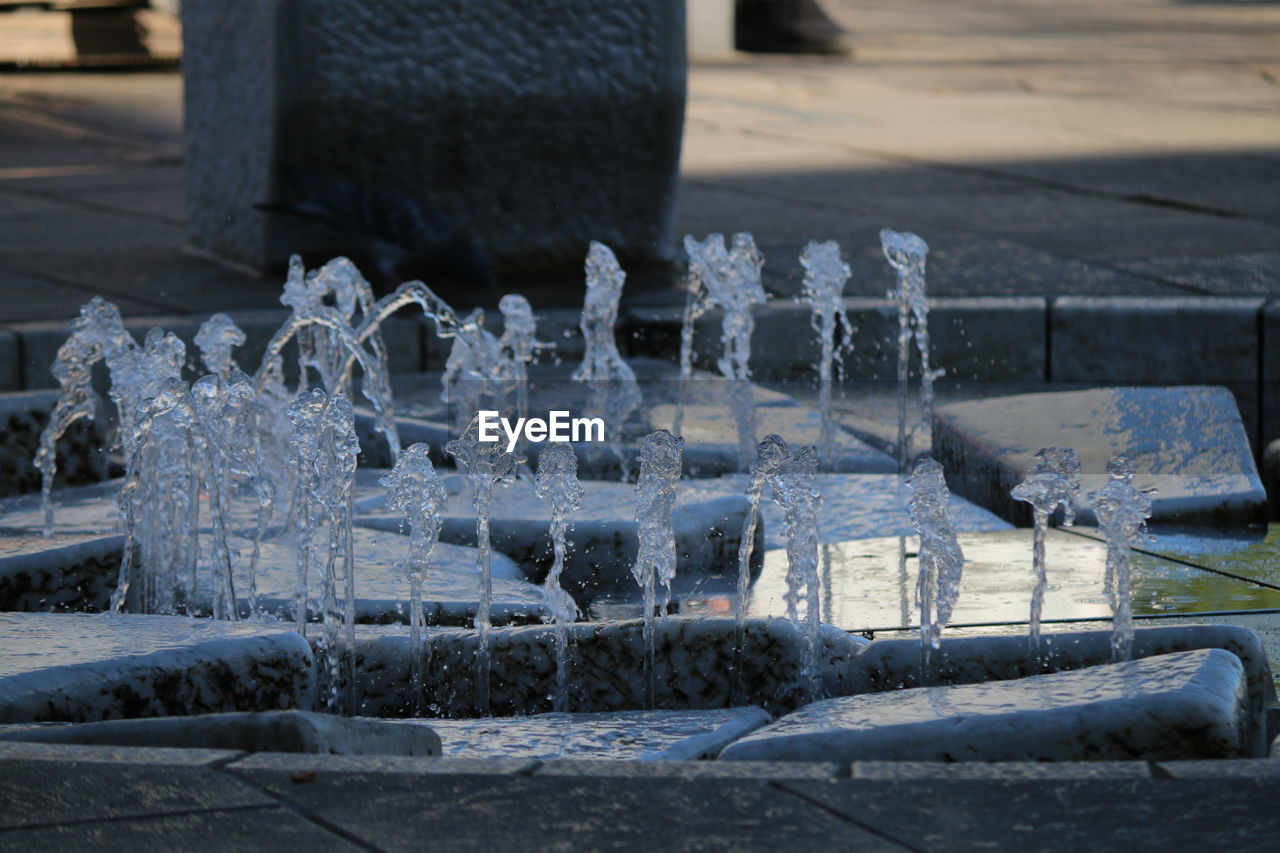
567 813
55 791
246 829
1058 815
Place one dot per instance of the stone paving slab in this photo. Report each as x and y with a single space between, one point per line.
1059 815
46 789
1188 442
553 812
1187 705
73 572
600 769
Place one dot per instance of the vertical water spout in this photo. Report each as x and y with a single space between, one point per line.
416 492
660 461
795 489
940 556
558 483
487 465
1122 510
614 392
770 456
1054 481
824 280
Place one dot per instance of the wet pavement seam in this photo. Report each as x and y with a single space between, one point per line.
839 815
1180 561
305 813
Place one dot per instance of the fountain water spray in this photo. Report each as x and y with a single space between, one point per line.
795 489
216 338
96 334
824 280
770 456
487 465
731 279
1122 510
906 253
1054 481
474 371
941 560
417 493
615 394
558 483
660 462
696 304
325 453
166 413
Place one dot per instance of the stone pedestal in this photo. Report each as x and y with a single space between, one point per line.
525 129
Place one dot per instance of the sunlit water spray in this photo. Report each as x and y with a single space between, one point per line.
771 453
487 465
941 559
795 490
732 281
614 391
1122 510
1054 481
557 482
416 492
824 280
660 462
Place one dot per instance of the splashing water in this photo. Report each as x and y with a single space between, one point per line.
167 412
417 493
217 337
1122 510
518 345
305 414
941 560
1054 481
906 253
732 281
660 460
96 333
824 280
795 490
337 450
475 371
614 392
770 456
558 483
704 261
487 465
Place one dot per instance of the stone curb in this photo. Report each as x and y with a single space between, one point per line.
871 771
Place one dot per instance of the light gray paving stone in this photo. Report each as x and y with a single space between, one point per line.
630 736
693 667
895 664
1184 705
689 769
1188 442
268 731
78 667
71 572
